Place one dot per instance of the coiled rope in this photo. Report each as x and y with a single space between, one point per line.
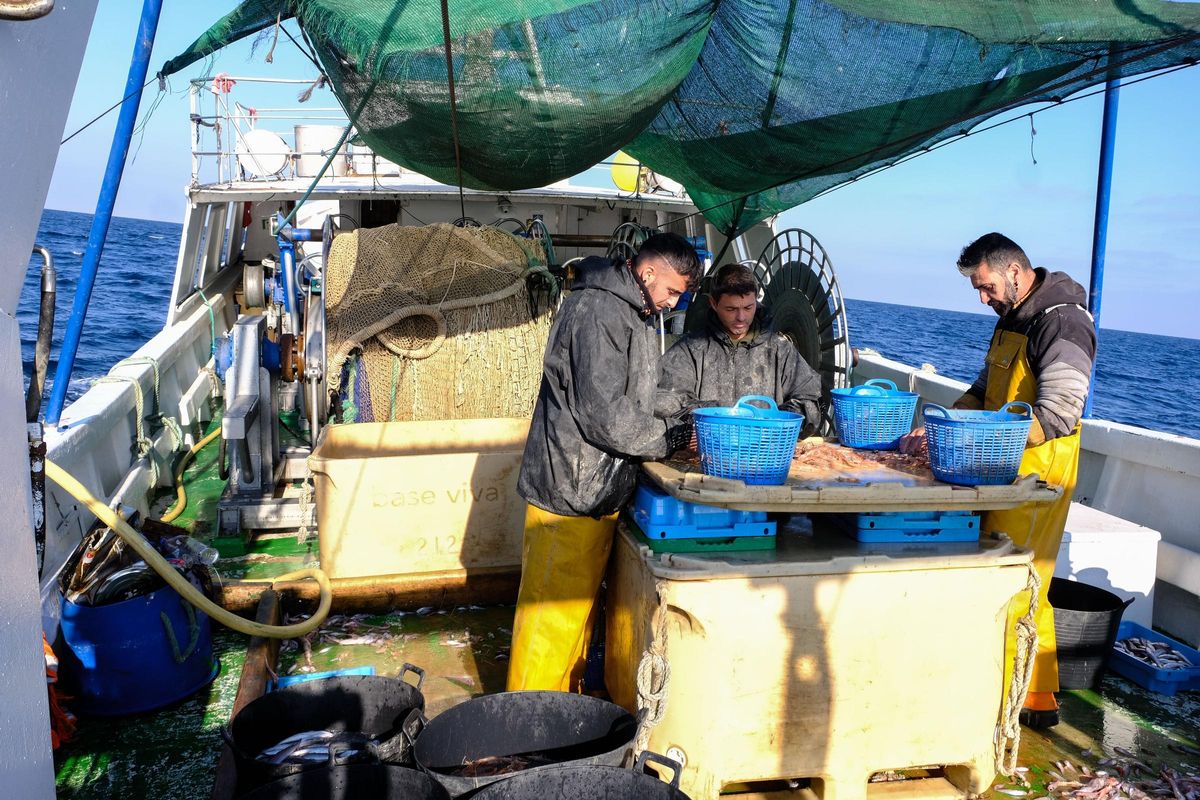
653 679
1008 733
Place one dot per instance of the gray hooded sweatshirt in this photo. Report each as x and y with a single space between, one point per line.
707 368
594 422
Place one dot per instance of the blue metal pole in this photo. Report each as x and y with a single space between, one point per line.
104 206
1108 136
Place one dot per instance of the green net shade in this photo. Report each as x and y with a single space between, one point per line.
755 106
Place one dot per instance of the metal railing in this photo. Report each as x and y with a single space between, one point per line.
230 115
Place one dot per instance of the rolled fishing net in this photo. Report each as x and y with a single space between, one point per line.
441 320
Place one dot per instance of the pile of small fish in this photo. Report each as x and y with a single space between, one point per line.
1124 776
1157 654
308 747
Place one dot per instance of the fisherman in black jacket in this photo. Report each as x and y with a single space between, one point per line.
1041 353
738 353
593 424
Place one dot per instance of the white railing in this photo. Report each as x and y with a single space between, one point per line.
240 131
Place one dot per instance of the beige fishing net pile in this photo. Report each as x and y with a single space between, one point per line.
439 319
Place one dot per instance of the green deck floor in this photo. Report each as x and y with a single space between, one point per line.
171 753
161 755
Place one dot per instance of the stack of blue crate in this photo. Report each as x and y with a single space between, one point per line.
668 525
912 526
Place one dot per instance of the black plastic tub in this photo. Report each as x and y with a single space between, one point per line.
352 782
587 783
372 705
1085 627
533 730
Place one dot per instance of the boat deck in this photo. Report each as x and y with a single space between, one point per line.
172 753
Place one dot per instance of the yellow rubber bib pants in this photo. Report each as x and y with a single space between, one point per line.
562 564
1036 527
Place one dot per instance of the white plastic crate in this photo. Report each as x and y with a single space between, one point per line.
1112 553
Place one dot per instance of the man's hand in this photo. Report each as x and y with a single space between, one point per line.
913 442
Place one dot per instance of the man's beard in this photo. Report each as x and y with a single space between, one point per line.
1010 298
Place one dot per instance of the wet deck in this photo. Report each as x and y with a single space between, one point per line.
172 753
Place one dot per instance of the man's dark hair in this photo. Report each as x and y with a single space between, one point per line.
996 249
676 252
733 279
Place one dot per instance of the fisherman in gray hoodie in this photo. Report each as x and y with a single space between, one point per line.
738 353
1041 354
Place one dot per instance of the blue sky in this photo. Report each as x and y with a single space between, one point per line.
893 237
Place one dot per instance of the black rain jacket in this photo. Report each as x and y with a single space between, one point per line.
594 420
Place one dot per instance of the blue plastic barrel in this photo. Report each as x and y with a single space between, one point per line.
136 655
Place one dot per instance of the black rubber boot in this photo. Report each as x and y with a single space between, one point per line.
1038 720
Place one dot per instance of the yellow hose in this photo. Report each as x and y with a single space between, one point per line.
180 493
181 584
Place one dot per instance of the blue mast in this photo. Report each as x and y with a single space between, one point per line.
104 206
1108 135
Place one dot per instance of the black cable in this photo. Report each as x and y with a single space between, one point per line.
294 433
102 114
462 203
306 53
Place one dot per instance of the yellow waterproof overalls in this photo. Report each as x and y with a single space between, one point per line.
1037 527
562 564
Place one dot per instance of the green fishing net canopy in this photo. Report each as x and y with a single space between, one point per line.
753 105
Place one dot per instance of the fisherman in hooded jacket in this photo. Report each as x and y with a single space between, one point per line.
1041 353
738 353
593 424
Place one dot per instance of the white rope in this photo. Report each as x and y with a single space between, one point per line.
214 381
653 679
143 444
357 340
306 489
168 422
1008 734
137 360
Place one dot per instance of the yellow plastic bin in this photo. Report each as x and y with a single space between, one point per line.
417 497
824 660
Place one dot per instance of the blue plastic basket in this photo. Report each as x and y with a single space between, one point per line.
873 416
976 448
747 443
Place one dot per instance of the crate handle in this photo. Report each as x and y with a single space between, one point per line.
934 410
868 391
655 758
744 403
420 673
349 740
882 382
1022 408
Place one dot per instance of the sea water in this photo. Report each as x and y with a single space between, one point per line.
1141 379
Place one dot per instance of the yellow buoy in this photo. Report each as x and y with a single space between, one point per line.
627 172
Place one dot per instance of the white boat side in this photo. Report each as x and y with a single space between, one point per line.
1144 476
39 65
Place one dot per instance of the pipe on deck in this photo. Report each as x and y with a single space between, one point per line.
379 593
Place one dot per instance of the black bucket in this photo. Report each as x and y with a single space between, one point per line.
1085 627
353 782
530 730
586 783
372 705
